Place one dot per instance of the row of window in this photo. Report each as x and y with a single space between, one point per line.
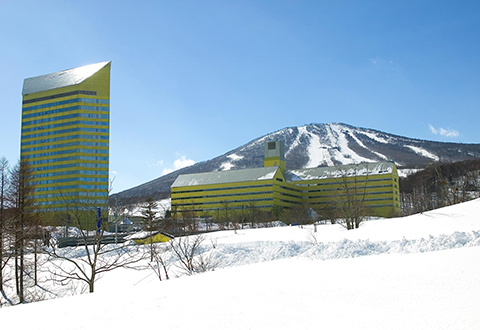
74 194
363 193
380 205
76 202
69 137
365 200
54 167
296 190
289 195
63 152
290 202
71 144
69 123
98 186
76 107
350 187
83 172
63 159
226 206
76 129
227 195
282 193
72 115
226 203
237 207
70 180
369 206
56 104
342 182
225 188
291 189
82 208
56 96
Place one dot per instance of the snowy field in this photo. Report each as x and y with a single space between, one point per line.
416 272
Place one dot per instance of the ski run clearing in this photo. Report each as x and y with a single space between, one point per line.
416 272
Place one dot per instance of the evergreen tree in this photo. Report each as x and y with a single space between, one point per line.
150 220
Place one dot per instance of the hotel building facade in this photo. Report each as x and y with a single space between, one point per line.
376 184
65 137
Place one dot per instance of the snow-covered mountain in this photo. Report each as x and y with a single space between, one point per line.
322 145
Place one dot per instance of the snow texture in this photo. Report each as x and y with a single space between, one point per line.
416 272
424 153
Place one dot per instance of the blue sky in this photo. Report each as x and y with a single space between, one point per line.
192 80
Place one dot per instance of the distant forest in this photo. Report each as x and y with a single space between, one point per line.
440 185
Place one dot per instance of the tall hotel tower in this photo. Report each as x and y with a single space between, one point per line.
65 137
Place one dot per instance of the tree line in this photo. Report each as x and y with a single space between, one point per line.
439 185
28 247
21 231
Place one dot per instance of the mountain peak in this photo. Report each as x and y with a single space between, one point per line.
315 145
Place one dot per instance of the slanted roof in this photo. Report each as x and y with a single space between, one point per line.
338 171
147 234
250 174
60 79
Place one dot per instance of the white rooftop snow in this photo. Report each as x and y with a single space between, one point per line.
249 174
339 171
60 79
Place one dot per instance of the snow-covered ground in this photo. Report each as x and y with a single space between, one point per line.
161 206
416 272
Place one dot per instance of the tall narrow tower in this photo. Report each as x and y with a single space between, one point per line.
275 154
65 136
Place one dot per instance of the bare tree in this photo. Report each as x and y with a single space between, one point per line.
225 214
70 264
349 205
440 185
277 212
93 255
188 251
189 220
25 221
298 214
253 213
4 248
236 220
160 261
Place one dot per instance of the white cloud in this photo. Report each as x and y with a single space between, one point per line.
179 163
445 132
154 163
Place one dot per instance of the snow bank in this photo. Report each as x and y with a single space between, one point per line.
417 272
228 255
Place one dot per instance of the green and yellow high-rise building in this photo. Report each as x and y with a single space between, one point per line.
65 137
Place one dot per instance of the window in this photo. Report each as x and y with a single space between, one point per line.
59 95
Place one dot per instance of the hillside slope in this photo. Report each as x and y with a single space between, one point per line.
316 145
